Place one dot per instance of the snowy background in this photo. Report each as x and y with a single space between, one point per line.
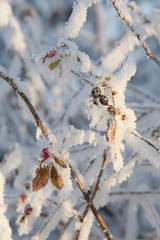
130 199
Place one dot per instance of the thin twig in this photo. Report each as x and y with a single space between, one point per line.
145 19
73 218
81 149
28 103
98 25
82 78
131 27
143 115
65 228
94 192
145 140
4 161
122 193
70 222
107 233
60 205
152 211
69 105
144 94
10 81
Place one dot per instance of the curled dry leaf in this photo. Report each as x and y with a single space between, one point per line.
41 178
56 178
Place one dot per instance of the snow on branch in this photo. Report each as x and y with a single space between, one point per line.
138 32
5 229
78 17
10 81
95 148
36 211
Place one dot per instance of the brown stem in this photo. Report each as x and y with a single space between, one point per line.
98 25
144 94
133 193
143 115
82 78
131 27
107 233
28 103
94 192
10 81
145 140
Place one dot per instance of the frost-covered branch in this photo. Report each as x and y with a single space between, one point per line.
91 117
11 82
45 132
82 78
132 28
107 233
128 194
143 94
82 218
145 140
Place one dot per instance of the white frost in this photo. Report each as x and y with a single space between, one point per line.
5 13
78 17
5 229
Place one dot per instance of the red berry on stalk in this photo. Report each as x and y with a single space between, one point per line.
51 53
124 117
45 153
28 209
23 197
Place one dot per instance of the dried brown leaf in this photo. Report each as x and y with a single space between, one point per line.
56 178
41 178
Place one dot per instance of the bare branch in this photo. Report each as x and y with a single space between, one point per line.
94 192
125 194
143 115
144 94
61 204
145 140
28 103
107 233
10 81
131 27
82 78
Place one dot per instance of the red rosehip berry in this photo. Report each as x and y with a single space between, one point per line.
45 153
28 209
124 117
23 197
51 53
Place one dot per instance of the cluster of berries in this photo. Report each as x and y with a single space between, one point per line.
45 153
96 93
50 54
